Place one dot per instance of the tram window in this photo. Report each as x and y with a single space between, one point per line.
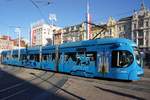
8 56
22 57
71 55
121 58
59 55
50 57
44 57
81 53
31 57
91 56
14 56
85 58
3 57
53 56
37 57
138 56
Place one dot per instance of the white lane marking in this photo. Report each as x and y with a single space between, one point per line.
19 84
5 98
2 90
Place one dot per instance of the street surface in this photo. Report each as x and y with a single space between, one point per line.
32 84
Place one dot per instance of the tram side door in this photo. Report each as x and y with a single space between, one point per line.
104 62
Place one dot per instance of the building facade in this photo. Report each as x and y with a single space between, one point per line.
141 27
16 43
111 31
58 37
108 30
98 32
42 34
6 43
74 33
136 27
78 32
124 27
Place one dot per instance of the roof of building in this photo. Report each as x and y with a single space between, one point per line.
125 18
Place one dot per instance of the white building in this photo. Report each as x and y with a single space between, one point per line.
42 33
136 27
141 27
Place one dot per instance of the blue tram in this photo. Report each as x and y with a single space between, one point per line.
115 58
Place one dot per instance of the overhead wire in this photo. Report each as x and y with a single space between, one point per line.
39 10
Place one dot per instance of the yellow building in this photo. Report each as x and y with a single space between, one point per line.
78 32
98 32
111 28
58 37
108 30
74 33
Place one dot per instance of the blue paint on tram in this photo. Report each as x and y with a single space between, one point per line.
116 58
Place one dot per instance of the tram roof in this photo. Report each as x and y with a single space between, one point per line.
99 42
80 43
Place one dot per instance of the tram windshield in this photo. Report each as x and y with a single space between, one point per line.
121 58
138 56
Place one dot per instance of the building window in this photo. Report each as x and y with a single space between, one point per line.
134 35
140 22
146 38
135 40
147 24
124 27
140 42
119 28
146 42
134 26
140 33
146 35
110 31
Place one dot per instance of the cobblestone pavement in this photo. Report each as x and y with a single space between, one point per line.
32 84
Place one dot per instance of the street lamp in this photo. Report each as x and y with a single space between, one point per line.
18 31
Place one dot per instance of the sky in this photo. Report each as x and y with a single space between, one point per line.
22 13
